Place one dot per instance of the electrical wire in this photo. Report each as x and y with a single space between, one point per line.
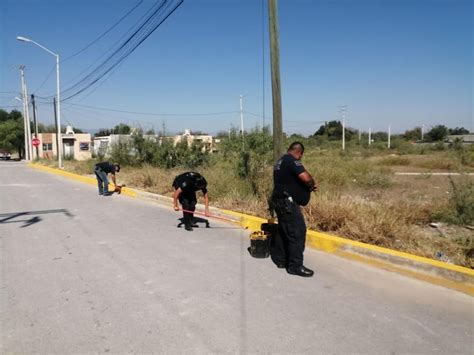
45 80
105 33
126 49
152 113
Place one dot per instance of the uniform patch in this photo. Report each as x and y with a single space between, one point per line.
298 163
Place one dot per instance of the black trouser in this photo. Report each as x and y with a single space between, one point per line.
289 246
188 202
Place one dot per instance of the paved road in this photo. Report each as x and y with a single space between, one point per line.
91 274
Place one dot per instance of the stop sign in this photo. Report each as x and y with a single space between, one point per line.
35 142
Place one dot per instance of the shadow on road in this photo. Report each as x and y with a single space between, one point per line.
204 221
13 216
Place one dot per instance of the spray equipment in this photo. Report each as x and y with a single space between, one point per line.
261 241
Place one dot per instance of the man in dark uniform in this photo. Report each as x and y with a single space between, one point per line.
292 189
185 187
101 170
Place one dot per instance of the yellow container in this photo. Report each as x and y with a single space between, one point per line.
259 244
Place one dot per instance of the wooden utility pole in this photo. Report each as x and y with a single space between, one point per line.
35 122
276 86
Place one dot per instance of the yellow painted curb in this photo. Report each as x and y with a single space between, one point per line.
86 179
403 263
433 271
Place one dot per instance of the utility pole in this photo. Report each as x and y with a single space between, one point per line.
422 131
241 116
389 128
24 113
263 65
342 110
56 124
370 136
28 150
35 122
276 85
242 122
360 135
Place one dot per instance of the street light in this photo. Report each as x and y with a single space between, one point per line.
24 39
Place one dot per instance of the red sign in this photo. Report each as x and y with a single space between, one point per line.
35 141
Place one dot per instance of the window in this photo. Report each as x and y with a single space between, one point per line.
47 146
83 146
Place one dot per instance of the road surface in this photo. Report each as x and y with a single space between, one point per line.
81 273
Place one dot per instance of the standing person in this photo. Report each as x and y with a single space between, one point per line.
101 170
292 189
185 187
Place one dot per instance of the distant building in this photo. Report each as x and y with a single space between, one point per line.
75 145
205 140
464 138
102 146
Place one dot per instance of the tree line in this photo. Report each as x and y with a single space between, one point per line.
332 130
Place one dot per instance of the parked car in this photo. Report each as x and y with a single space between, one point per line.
5 155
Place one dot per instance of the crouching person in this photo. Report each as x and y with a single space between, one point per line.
101 170
185 187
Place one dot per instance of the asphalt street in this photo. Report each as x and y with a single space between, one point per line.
82 273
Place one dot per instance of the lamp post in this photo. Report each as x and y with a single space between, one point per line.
60 145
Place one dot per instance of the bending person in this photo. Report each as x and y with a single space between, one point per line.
185 187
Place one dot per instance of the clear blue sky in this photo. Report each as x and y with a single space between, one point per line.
398 62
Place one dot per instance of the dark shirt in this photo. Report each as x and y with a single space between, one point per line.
286 181
106 167
190 182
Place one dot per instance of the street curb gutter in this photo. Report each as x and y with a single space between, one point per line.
433 271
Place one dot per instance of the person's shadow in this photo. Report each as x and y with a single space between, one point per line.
196 221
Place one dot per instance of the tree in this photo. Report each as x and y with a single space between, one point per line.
458 131
4 116
122 128
12 136
379 136
437 133
77 130
15 115
413 134
103 132
333 130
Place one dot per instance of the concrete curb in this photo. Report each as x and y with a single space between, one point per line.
433 271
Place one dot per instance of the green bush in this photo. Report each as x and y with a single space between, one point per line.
461 204
462 201
121 152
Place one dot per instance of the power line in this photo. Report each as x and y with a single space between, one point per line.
106 32
139 35
152 113
45 80
125 35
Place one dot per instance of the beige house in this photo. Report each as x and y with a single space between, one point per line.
205 140
75 145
